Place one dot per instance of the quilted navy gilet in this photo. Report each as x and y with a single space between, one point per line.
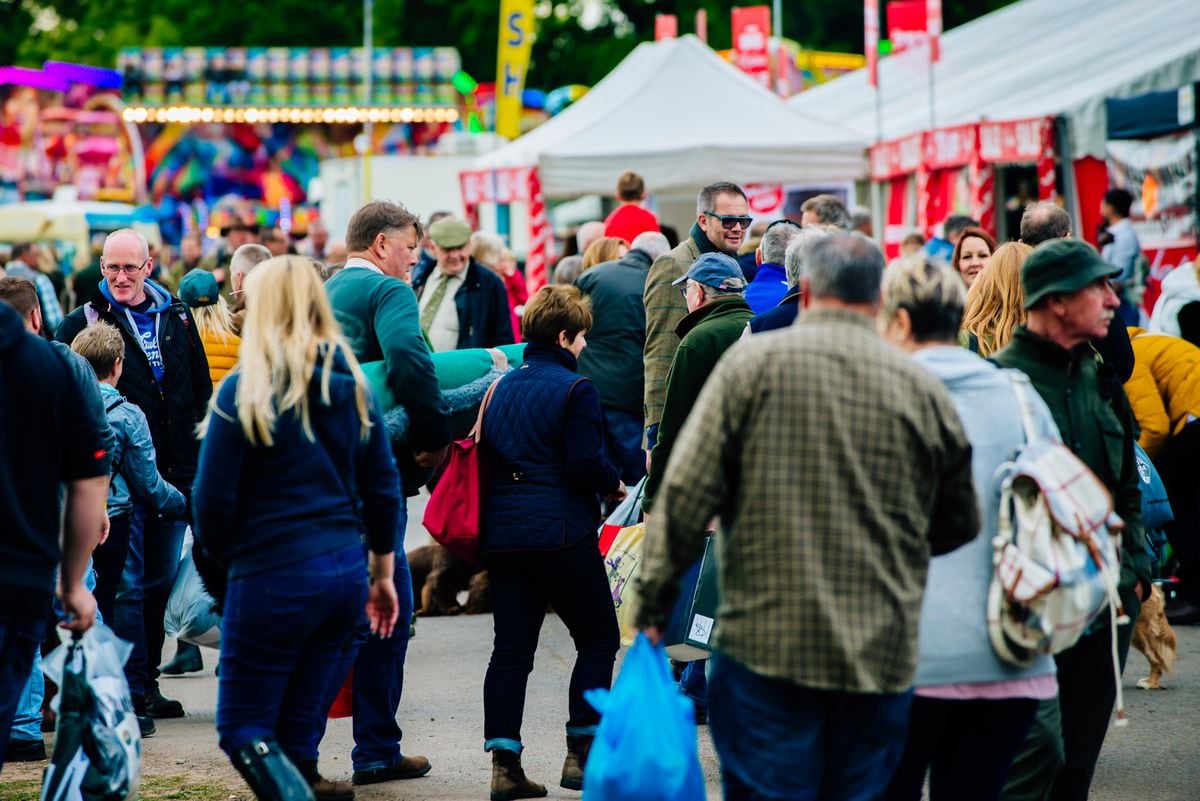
529 506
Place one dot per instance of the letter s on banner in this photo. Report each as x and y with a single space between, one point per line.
512 63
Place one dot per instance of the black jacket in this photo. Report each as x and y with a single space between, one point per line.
174 409
484 320
613 356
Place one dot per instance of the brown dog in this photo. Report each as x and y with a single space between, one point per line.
438 577
1154 637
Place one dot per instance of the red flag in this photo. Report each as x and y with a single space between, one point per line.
871 40
666 26
933 19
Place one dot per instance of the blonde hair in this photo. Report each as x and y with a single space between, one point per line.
606 248
996 302
932 295
486 248
215 320
289 325
101 344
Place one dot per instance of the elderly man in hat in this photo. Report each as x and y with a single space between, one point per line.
1070 299
463 304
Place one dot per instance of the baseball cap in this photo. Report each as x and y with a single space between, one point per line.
716 270
199 288
1062 265
450 232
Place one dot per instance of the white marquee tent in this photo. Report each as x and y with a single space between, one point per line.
1034 58
680 116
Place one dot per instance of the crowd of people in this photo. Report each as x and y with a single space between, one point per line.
842 420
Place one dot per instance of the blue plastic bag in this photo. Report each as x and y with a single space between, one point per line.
645 747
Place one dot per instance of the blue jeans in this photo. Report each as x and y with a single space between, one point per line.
623 441
150 569
19 641
778 740
379 681
283 635
572 580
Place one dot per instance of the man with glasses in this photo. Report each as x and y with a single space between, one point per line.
166 376
722 222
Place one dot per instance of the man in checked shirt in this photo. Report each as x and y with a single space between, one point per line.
836 467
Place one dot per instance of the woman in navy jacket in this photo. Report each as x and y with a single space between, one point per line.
543 435
294 468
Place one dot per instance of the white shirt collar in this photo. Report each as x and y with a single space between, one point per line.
358 261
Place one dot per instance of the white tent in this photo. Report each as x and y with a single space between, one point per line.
1034 58
676 113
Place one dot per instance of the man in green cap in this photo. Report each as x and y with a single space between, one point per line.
462 303
1070 300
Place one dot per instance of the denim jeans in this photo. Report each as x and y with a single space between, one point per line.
129 606
779 740
379 682
623 441
109 561
966 746
161 544
19 641
574 582
284 633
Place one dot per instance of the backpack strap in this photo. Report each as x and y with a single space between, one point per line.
90 314
114 404
1021 388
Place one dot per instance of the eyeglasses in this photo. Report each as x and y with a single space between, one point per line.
128 269
729 221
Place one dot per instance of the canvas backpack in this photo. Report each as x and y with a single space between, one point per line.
1057 556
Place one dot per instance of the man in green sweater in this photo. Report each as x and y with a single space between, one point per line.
377 311
1070 299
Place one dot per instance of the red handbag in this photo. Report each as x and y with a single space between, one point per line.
453 513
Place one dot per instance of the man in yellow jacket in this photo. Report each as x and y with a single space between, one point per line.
1164 392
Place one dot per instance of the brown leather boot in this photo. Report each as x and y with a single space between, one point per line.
325 789
577 754
508 779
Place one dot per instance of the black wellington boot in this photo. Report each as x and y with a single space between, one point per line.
270 774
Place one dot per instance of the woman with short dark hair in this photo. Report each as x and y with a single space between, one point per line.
543 442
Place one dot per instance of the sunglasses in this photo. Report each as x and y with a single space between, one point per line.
729 221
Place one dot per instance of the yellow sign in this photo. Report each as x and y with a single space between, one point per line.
516 39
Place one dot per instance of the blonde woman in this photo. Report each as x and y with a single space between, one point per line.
292 445
199 290
606 248
996 301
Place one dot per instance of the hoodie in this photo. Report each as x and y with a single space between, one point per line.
145 319
953 645
258 508
1179 288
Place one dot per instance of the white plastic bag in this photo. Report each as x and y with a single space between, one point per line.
190 609
98 747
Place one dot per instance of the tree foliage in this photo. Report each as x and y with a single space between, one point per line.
93 31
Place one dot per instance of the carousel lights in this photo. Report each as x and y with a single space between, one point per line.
341 115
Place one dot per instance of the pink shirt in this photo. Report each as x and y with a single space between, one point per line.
1039 688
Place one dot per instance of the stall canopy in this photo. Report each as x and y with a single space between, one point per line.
1035 58
682 117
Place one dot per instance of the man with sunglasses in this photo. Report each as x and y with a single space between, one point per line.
722 222
166 376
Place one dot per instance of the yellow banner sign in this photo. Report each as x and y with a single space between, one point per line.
516 39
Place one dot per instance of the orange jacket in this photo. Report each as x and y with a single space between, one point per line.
222 356
1164 389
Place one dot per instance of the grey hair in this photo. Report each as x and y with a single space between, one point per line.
798 250
711 292
247 257
568 269
1044 221
129 232
707 199
652 243
846 267
588 233
775 241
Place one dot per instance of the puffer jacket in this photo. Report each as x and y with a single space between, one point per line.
1164 390
543 440
174 408
221 355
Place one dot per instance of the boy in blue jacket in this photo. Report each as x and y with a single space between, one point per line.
134 473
